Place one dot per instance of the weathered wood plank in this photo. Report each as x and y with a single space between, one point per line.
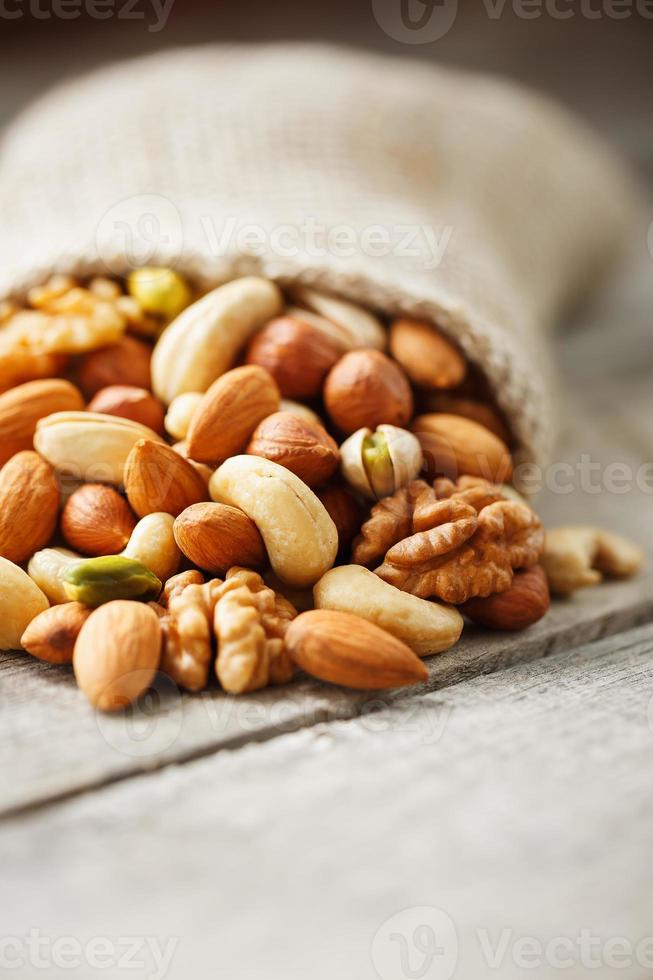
518 802
53 744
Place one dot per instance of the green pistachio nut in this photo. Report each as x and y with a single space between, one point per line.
99 580
378 464
160 291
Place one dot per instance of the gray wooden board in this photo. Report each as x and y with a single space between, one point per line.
53 744
521 801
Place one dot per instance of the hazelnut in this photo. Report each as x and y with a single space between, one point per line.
300 445
298 356
345 512
365 389
124 363
97 520
378 463
128 402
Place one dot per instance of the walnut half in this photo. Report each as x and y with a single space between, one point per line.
464 545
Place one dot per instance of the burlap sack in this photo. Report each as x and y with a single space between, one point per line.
496 208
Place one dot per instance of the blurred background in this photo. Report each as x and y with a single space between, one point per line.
594 55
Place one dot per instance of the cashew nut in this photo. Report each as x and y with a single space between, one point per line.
300 537
580 555
21 601
202 343
426 627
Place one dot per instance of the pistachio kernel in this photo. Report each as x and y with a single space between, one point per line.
99 580
378 464
160 291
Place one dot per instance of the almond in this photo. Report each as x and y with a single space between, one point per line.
478 411
345 649
52 635
117 653
128 402
297 355
453 446
229 412
97 520
525 602
301 446
124 363
366 389
216 537
22 407
426 355
29 505
157 479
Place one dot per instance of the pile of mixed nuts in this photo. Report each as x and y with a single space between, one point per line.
182 474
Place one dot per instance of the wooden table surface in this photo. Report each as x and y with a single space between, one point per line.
311 832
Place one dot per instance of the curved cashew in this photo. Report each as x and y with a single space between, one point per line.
300 537
21 601
202 343
426 627
180 412
363 329
578 556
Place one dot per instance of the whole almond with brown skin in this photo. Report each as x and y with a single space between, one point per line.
426 355
524 603
128 402
52 635
22 407
454 446
229 412
158 479
217 536
478 411
298 444
366 389
97 520
29 506
345 649
297 355
124 363
345 512
117 653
